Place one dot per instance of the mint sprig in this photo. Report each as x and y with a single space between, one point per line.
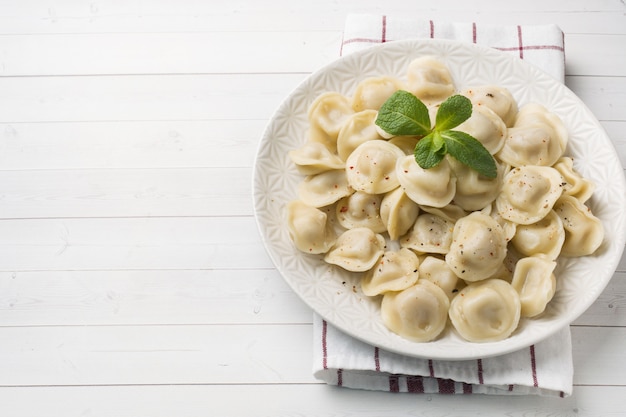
403 114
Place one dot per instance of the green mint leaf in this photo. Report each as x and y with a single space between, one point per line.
404 114
427 154
470 152
452 112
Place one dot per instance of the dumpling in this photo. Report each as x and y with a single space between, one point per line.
313 158
372 92
357 129
534 281
486 127
486 311
528 193
431 187
439 273
361 210
395 271
545 237
498 99
475 191
371 168
429 234
329 112
429 80
478 247
452 212
398 212
574 184
309 228
538 137
325 188
356 250
418 313
584 232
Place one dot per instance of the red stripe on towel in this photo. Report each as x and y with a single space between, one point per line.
324 346
479 363
533 365
394 383
519 40
376 359
474 32
467 388
415 384
340 377
432 29
383 37
431 369
446 386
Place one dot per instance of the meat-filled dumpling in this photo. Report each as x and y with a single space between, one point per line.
538 137
372 92
574 184
486 127
398 212
429 80
430 187
313 158
545 237
498 99
394 271
429 234
473 190
361 210
439 273
418 313
356 250
329 111
357 129
584 232
309 228
371 168
534 281
486 311
478 247
528 193
325 188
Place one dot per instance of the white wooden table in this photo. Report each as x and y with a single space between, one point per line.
132 278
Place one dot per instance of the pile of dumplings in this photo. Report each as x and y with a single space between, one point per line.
443 245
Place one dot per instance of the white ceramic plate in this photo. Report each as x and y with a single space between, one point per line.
335 294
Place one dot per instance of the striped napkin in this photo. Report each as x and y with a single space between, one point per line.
545 368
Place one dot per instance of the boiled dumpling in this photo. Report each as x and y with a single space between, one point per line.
361 210
356 250
431 187
372 92
394 271
429 234
357 129
418 313
329 111
545 237
486 311
429 80
398 212
534 281
538 137
498 99
325 188
371 168
574 184
529 193
486 127
314 157
439 273
473 190
478 247
584 232
309 228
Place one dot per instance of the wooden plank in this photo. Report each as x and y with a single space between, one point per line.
131 243
96 298
302 400
217 354
211 52
126 192
132 144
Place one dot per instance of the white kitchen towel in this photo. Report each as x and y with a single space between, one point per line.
545 368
